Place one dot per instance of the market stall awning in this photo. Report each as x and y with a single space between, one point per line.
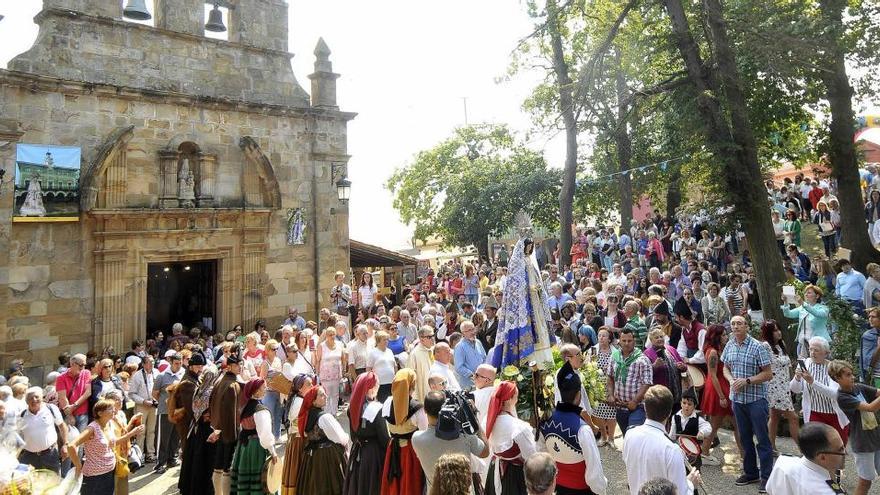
366 255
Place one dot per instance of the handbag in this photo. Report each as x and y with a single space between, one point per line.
122 470
135 458
279 383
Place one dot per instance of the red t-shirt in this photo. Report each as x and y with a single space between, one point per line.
74 388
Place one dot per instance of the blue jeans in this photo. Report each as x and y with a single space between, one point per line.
627 419
751 421
272 401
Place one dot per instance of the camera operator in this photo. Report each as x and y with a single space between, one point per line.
432 443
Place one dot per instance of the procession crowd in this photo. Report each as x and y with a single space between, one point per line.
402 392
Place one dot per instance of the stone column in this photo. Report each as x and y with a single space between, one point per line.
207 173
9 136
168 179
113 308
254 266
183 16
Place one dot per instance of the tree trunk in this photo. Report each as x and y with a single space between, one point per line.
624 150
842 150
673 191
566 108
733 145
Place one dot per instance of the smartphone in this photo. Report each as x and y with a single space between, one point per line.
802 365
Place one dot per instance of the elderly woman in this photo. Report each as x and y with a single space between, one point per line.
99 442
252 359
654 252
666 363
104 382
715 310
121 426
331 363
812 317
819 390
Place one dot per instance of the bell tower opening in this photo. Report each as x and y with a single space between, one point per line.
181 292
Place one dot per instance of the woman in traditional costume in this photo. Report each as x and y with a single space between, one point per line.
255 441
402 473
293 454
369 433
322 467
196 468
511 441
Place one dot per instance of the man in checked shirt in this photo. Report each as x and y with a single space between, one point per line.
749 364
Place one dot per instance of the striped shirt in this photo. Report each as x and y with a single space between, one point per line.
746 360
819 402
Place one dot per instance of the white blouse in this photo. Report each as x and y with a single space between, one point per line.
333 430
263 421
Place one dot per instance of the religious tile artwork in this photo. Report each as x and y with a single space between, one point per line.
47 182
296 227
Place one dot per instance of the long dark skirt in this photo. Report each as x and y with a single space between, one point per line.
247 468
322 469
513 480
292 459
198 462
102 484
364 473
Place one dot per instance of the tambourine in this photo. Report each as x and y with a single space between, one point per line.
271 474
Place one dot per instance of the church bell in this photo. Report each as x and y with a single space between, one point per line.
215 20
136 9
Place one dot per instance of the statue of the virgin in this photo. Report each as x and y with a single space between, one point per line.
33 201
523 329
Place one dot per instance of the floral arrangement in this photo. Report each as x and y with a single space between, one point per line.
592 378
522 377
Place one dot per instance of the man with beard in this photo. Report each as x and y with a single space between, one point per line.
223 409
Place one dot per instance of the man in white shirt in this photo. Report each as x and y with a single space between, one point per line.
358 350
442 366
812 474
38 430
649 441
141 392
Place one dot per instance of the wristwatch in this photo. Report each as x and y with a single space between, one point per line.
749 381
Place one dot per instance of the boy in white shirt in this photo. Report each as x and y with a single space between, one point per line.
688 422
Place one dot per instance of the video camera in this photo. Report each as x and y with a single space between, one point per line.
458 415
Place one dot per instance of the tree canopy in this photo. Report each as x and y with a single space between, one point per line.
471 185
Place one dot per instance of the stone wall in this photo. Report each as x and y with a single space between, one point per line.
77 286
83 44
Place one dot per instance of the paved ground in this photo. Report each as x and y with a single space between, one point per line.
718 479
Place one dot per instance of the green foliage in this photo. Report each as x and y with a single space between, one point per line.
471 185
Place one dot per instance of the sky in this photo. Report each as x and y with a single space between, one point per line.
407 68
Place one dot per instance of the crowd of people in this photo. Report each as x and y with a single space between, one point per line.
368 398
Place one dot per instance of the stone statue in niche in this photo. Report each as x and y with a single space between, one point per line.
186 186
296 227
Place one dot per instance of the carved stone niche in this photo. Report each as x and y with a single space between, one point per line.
203 167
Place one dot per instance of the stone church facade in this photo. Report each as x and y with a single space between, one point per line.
140 101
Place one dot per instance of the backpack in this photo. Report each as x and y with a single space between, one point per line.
175 414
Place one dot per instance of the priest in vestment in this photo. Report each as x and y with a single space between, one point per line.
421 358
